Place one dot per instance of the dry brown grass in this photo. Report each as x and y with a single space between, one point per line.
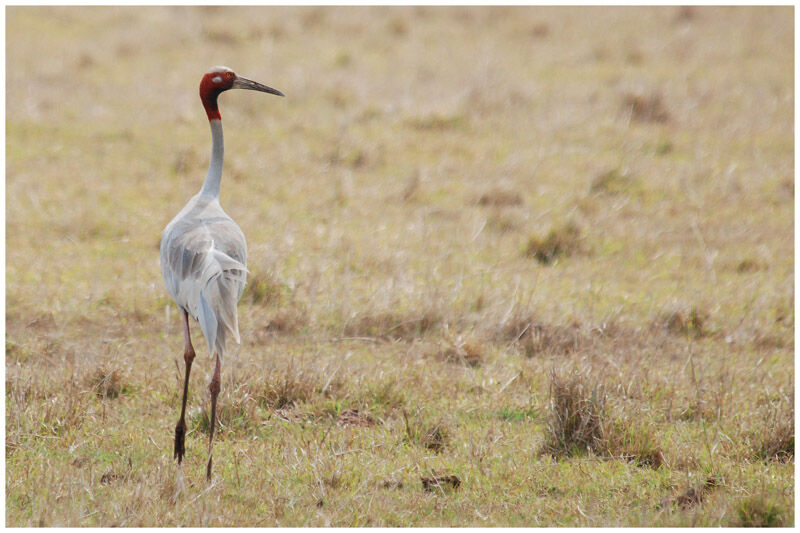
354 417
645 108
695 495
466 349
537 338
760 511
423 431
449 203
440 482
580 420
613 181
775 439
106 383
631 438
560 241
391 326
285 321
576 415
689 322
500 198
263 288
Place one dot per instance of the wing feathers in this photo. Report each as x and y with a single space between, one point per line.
222 276
203 261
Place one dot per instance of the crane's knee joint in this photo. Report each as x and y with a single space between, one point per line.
213 387
188 355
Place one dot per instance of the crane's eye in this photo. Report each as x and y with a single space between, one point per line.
229 74
216 79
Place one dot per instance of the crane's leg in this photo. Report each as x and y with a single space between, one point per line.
213 388
188 357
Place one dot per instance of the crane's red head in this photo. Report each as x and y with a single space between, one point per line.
220 79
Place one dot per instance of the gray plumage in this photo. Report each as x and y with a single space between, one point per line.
203 262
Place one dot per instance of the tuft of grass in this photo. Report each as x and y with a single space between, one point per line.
263 289
391 483
759 511
694 495
286 321
392 326
748 265
434 436
295 385
354 417
382 398
645 108
775 440
664 147
469 352
106 383
613 181
504 222
500 198
438 122
578 421
63 413
575 416
560 241
109 477
633 440
684 322
536 338
440 482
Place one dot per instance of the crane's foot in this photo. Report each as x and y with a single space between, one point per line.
180 436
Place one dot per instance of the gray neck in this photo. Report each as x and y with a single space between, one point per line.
214 176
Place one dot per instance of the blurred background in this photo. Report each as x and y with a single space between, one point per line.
402 120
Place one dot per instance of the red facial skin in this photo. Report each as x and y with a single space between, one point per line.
209 91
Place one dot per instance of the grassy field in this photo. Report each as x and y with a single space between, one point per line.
512 267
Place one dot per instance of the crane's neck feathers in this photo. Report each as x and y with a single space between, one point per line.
212 109
214 176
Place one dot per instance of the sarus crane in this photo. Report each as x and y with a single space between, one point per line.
204 257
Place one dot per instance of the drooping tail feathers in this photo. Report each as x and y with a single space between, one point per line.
224 278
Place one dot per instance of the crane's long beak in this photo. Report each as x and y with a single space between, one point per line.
244 83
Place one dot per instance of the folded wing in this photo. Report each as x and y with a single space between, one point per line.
203 262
